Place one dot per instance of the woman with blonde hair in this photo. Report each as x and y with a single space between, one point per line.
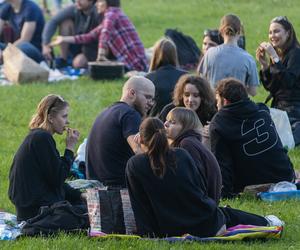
228 59
183 129
164 73
38 172
193 92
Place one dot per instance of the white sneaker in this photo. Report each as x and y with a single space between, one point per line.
274 221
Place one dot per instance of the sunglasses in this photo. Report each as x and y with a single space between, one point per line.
209 32
280 19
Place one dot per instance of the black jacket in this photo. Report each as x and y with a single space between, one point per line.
174 204
282 79
246 144
164 79
205 162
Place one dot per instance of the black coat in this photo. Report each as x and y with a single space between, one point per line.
282 79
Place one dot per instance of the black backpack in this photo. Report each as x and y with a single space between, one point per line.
187 49
61 216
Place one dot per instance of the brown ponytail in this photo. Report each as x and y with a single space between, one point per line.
230 25
153 136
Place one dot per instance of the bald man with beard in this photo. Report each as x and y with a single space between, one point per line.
111 139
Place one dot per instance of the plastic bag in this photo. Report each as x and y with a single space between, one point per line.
283 127
9 227
283 186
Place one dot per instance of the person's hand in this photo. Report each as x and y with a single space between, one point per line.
72 138
261 57
57 41
268 49
47 50
206 135
137 138
205 131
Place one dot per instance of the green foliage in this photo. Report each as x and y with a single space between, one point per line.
87 98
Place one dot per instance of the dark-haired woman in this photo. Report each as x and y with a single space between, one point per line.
193 92
164 73
167 192
38 172
280 74
211 38
228 59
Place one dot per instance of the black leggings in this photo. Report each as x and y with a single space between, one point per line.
234 217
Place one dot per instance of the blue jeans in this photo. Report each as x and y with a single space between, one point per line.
29 49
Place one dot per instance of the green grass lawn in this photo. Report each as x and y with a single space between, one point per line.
88 98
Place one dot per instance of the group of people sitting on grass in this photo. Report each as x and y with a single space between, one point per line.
89 30
177 154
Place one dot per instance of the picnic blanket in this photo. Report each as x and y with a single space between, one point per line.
236 233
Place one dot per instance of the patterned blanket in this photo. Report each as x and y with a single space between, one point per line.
237 233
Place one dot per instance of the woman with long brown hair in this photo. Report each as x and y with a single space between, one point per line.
167 192
280 71
164 72
38 172
193 92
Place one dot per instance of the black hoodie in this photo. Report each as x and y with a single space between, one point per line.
247 147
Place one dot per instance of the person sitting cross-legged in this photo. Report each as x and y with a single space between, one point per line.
111 140
245 141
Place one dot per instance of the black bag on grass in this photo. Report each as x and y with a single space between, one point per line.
187 49
110 211
61 216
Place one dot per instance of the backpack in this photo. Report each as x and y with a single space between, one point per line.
61 216
187 49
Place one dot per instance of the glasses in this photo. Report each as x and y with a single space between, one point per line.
209 32
279 19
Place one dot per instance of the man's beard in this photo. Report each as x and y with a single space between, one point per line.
138 108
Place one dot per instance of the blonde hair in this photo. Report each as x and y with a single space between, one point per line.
165 53
230 25
188 119
50 104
